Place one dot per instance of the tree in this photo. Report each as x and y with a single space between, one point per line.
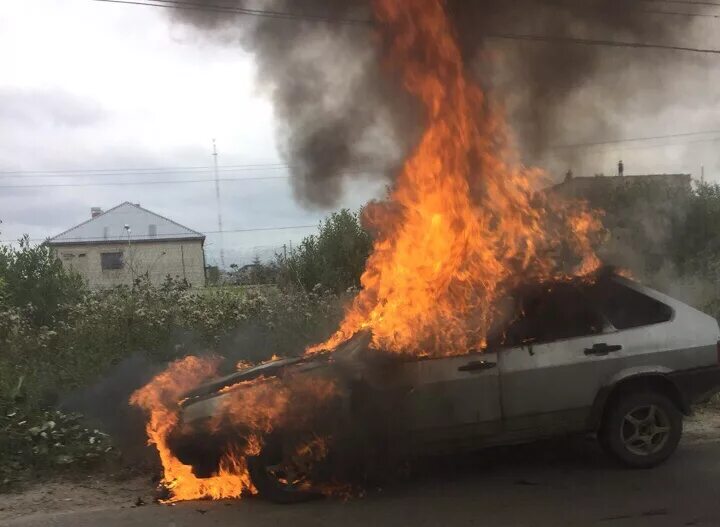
34 279
334 258
696 240
643 217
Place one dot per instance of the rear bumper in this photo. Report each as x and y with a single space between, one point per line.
697 385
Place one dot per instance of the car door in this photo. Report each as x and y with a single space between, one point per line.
451 401
560 351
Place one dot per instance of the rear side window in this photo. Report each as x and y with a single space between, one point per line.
626 308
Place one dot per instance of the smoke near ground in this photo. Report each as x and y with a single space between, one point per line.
342 113
105 405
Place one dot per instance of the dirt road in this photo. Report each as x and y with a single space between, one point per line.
563 484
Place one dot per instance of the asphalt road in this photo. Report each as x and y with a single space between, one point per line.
565 484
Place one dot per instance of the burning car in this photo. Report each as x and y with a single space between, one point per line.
604 355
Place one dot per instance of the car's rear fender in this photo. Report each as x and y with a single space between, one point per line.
654 378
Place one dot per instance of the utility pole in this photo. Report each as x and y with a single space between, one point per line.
219 206
130 255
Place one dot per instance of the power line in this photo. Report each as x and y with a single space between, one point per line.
143 169
624 148
139 183
161 182
177 4
255 229
589 9
228 169
138 174
283 15
107 172
684 2
633 139
258 229
680 13
599 42
582 8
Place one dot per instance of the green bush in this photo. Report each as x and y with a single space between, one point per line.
32 278
38 364
696 240
41 441
57 336
333 259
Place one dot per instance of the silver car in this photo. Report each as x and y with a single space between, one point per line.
607 356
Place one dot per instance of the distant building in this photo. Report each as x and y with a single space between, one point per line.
127 242
586 187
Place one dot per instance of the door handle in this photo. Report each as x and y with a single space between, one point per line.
477 365
602 349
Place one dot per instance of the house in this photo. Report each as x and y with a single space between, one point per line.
127 242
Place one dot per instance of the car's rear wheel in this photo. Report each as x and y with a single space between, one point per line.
279 479
641 429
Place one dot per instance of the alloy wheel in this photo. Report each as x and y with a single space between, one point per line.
645 429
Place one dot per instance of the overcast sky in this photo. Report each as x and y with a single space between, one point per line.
92 86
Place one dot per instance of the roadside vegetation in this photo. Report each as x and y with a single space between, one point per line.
58 337
667 237
333 259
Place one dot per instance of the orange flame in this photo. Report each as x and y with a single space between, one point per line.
159 398
463 223
256 407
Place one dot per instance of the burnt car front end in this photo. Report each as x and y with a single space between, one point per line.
307 398
206 428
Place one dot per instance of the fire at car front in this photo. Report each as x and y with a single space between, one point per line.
241 412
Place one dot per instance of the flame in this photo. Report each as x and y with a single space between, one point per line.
159 399
464 222
256 407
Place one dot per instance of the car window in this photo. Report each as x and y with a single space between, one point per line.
555 312
626 308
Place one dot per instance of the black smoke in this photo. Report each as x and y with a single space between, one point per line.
342 111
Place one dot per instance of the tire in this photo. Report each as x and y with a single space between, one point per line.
641 429
267 483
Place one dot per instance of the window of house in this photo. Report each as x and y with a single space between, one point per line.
68 256
81 255
626 308
106 231
111 261
152 230
552 312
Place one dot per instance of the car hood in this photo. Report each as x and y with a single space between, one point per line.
348 353
265 369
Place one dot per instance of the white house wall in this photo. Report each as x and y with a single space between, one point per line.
179 259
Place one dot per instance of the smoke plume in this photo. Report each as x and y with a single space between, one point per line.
343 112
